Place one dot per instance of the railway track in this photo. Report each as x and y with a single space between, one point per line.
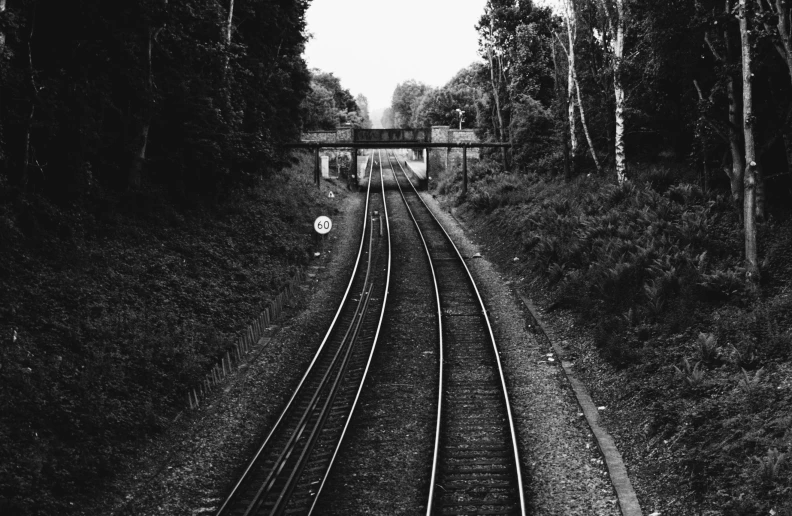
287 473
475 467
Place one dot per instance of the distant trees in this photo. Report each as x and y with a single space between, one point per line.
363 111
329 105
404 103
387 119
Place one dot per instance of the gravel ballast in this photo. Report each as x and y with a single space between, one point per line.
566 474
190 469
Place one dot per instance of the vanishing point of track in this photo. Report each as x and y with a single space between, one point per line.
475 466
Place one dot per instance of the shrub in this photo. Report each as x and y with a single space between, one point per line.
693 375
707 346
722 285
770 466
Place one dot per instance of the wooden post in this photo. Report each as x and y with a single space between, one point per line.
353 170
317 171
426 181
464 170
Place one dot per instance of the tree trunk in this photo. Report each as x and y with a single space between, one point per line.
761 195
585 128
618 56
33 99
735 146
788 148
229 27
563 104
2 34
785 32
749 200
135 172
495 94
782 27
569 13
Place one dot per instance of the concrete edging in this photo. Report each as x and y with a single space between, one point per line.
628 500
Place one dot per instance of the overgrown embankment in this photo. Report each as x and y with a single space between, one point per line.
111 308
693 363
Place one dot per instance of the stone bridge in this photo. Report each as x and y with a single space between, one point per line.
412 139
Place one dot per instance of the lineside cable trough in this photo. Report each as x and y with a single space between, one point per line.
617 471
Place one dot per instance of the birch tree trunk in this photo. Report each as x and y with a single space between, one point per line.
585 128
575 88
617 23
571 23
228 32
749 200
618 87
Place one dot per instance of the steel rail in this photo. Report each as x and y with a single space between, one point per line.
314 361
504 391
441 346
374 345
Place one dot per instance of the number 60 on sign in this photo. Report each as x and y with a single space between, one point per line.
323 225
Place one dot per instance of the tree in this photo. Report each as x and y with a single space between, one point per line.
405 101
141 92
329 105
574 87
363 109
749 212
439 106
617 22
727 63
387 120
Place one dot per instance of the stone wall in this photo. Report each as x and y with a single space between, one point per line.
319 136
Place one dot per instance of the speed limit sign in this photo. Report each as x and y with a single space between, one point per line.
323 225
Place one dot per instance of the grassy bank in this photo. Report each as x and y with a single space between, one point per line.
111 307
653 271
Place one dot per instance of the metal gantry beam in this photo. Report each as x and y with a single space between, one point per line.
391 145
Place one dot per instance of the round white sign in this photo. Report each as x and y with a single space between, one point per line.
323 225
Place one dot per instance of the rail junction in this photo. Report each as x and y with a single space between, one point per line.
474 466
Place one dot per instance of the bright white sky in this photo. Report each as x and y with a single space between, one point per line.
372 45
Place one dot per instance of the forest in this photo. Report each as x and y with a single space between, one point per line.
647 190
647 193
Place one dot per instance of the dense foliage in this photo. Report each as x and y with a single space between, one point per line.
109 312
191 96
143 218
698 363
329 105
668 233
